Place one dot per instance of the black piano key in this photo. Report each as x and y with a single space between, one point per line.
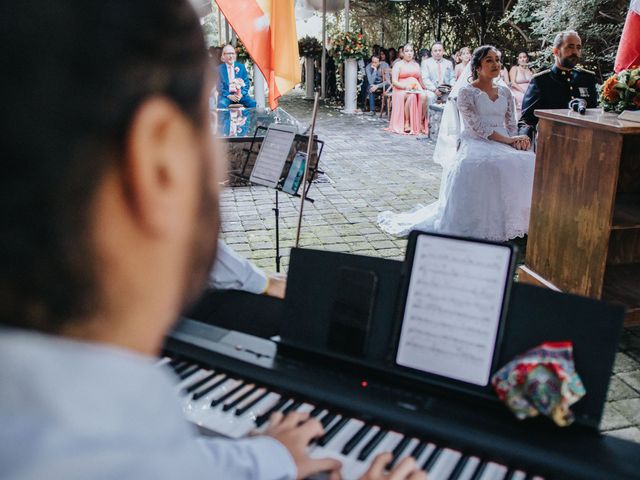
432 459
480 471
327 419
418 450
225 396
294 406
315 412
373 443
188 372
181 365
243 409
398 449
201 393
196 385
339 425
174 362
262 419
353 441
233 403
458 468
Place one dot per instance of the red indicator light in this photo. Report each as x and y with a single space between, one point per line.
364 384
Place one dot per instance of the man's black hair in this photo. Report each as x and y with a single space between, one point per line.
74 74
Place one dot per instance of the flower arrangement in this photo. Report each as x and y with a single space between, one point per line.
621 91
309 47
349 45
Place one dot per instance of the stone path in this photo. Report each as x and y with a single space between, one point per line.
367 171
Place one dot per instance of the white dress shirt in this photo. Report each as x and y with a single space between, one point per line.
74 410
231 271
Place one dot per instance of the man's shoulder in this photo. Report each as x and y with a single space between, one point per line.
581 70
543 73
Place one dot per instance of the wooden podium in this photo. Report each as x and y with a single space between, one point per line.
584 232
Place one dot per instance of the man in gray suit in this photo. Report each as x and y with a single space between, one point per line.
375 81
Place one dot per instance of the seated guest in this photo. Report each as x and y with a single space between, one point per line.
392 56
375 81
436 71
384 65
409 99
520 76
465 56
233 81
503 79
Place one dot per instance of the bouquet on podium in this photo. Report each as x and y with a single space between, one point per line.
621 91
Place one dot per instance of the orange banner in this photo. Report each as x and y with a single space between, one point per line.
267 28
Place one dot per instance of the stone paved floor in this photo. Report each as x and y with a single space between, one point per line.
369 170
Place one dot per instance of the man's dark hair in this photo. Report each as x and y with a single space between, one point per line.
478 55
436 43
66 114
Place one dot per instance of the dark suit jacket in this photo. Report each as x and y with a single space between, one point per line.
223 79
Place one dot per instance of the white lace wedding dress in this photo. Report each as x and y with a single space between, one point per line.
486 191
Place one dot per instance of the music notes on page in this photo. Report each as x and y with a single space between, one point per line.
453 308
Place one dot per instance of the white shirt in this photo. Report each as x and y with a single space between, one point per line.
231 271
74 410
437 72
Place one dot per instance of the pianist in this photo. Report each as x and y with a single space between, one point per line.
109 220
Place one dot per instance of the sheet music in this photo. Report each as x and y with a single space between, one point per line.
453 308
272 156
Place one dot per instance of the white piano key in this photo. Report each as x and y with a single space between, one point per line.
335 446
199 375
162 361
518 475
444 465
358 468
426 453
493 471
305 408
469 469
413 443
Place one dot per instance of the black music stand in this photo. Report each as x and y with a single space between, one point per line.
245 174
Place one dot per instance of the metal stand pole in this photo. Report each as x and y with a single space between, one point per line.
276 212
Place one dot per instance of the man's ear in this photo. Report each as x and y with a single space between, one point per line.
160 165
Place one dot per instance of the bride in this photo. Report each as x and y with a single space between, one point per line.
485 190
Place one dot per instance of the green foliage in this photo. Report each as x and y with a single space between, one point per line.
309 47
510 25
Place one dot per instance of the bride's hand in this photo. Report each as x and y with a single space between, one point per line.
520 142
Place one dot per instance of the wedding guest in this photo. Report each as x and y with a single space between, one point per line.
436 71
375 81
400 55
385 67
503 79
392 55
233 81
465 56
520 76
408 112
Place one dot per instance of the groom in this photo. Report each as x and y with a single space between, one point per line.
233 81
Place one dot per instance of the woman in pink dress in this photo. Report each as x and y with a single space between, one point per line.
465 57
409 98
520 76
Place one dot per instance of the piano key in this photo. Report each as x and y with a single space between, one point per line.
188 372
217 381
305 408
242 395
163 361
326 420
493 471
252 401
316 411
444 465
517 475
262 419
333 431
227 392
357 437
181 367
199 383
339 441
355 468
292 407
466 468
175 361
431 460
398 449
371 445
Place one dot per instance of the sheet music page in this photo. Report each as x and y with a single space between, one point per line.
272 156
453 307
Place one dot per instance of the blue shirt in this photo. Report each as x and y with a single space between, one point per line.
76 410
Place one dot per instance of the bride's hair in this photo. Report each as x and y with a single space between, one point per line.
478 55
